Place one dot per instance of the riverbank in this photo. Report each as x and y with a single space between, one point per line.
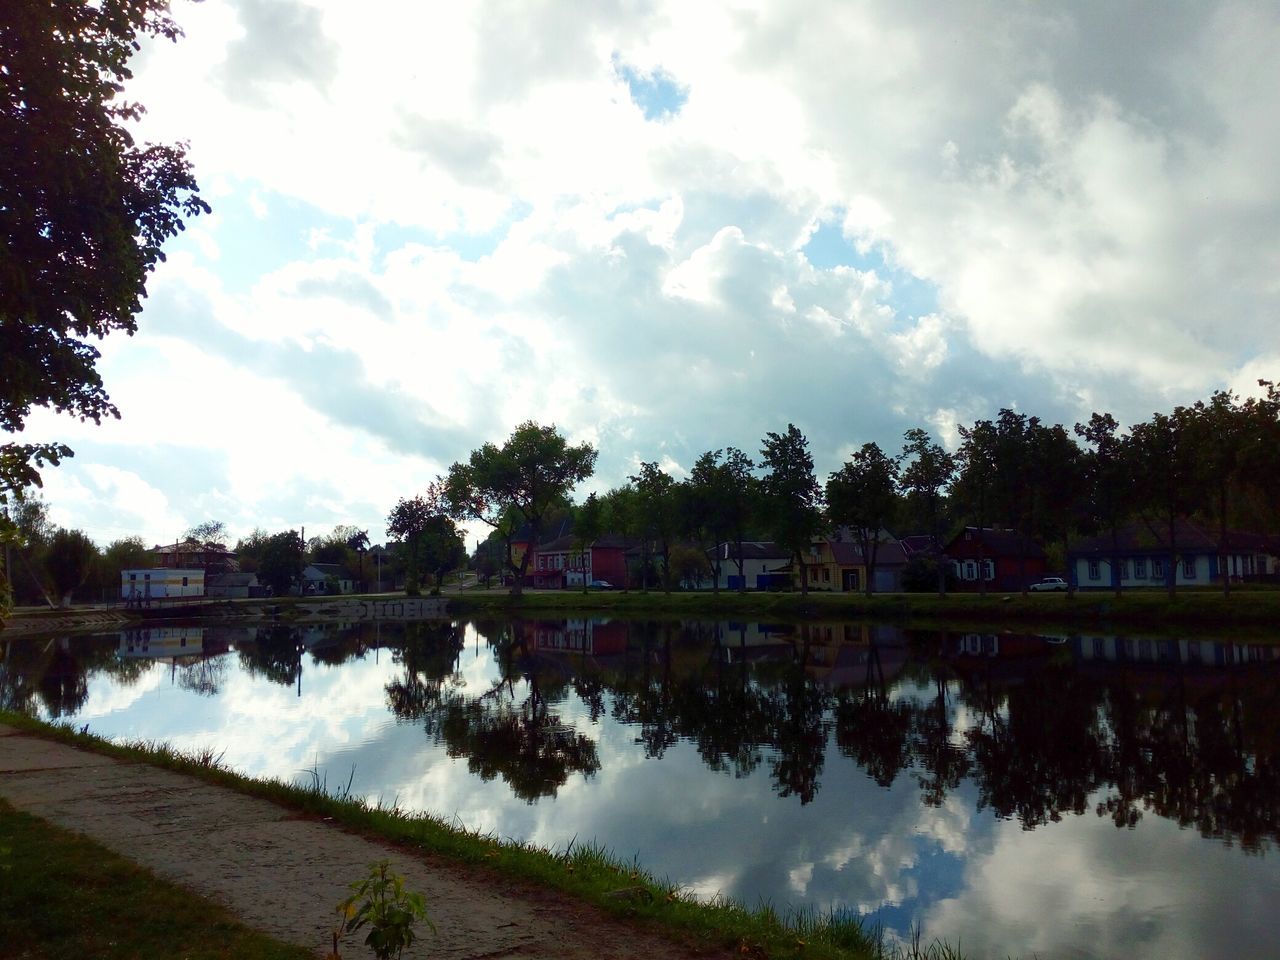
279 856
1254 610
1250 608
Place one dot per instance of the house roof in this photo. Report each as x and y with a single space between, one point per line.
569 542
916 543
326 570
1138 538
753 550
850 553
997 542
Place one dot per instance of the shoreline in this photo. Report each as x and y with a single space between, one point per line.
1255 610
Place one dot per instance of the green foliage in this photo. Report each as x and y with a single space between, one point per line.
381 902
68 562
863 495
521 482
280 562
791 497
432 543
83 209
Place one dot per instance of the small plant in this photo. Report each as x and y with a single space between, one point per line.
381 903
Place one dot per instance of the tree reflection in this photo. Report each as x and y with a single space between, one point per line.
1038 731
499 732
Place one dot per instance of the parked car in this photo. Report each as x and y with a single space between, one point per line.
601 585
1050 583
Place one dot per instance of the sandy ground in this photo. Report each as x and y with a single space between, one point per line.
283 874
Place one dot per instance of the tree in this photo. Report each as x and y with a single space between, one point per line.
656 499
84 210
1164 475
977 459
249 549
791 497
280 563
442 548
1058 468
358 543
525 478
1217 432
209 533
588 527
720 499
130 553
622 515
1108 481
863 495
68 562
410 522
928 471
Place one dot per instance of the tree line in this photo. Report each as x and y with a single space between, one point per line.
1216 462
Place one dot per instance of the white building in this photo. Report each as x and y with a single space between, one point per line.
160 582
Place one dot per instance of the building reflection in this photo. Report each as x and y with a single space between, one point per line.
1041 727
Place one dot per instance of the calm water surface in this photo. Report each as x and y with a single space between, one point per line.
1059 796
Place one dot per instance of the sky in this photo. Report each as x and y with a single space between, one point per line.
668 228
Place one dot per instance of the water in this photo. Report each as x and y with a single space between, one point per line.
1058 796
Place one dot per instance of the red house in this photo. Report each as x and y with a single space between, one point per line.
1004 559
562 562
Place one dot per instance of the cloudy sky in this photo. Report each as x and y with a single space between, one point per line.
669 227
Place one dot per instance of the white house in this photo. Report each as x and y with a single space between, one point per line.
156 583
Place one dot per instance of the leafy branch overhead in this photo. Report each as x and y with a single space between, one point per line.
84 210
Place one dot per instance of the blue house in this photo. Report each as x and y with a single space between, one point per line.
1140 556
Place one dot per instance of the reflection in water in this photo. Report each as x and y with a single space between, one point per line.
1032 730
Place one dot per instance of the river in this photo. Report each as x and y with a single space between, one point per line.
1060 796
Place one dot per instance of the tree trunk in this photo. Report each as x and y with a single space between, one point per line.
1223 570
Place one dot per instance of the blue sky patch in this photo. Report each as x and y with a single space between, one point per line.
656 92
829 248
250 246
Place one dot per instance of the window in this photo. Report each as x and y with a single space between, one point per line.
970 570
826 575
1124 568
1189 568
1157 569
133 576
184 581
959 571
1094 572
988 570
1140 568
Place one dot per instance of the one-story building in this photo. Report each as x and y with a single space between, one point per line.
153 583
1141 556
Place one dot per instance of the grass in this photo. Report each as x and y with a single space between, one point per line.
63 896
584 870
1204 608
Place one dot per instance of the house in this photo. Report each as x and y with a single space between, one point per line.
140 585
327 578
191 554
563 563
765 565
233 585
1003 559
1140 556
837 564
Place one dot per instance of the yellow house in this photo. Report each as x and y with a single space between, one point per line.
837 565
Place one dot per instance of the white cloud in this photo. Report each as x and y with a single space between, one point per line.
1096 219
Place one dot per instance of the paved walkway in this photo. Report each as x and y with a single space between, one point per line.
283 874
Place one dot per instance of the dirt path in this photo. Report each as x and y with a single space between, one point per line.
283 874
